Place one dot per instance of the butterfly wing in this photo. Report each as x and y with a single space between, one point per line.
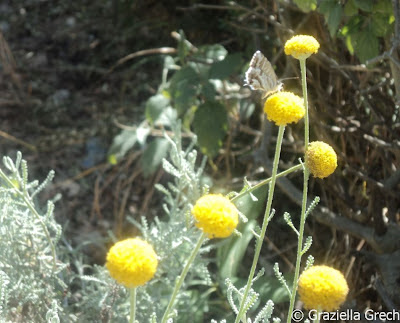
261 75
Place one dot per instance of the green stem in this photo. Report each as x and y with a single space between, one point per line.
318 316
181 278
305 97
305 191
31 207
133 304
260 239
266 181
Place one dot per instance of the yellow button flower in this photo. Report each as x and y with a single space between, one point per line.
321 159
301 46
132 262
216 215
284 107
323 288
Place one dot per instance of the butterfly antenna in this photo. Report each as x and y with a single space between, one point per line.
289 78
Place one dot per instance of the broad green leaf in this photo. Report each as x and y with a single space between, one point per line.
350 9
365 5
212 53
167 117
225 68
383 6
208 90
155 107
325 7
159 111
121 144
183 89
332 10
334 18
210 124
169 62
153 155
366 45
202 69
380 24
252 210
230 255
354 25
183 47
306 5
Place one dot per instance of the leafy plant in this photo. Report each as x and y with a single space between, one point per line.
364 25
196 93
172 237
32 273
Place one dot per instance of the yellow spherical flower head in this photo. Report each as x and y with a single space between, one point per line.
132 262
216 215
323 288
301 46
321 159
284 107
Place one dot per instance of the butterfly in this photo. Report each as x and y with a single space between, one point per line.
261 75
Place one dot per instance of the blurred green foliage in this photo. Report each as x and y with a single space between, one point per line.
193 89
361 23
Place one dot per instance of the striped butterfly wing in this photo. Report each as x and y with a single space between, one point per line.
261 75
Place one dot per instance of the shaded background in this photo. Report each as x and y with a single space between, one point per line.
74 74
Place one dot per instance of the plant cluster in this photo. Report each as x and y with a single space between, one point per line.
163 275
194 88
33 277
361 23
162 270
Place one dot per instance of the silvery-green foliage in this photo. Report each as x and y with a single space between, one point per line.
235 297
309 262
173 237
307 245
265 314
100 298
312 206
288 219
31 275
4 282
281 278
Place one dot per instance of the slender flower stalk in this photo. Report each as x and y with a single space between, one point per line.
305 97
318 316
181 278
217 217
260 239
266 181
132 292
306 175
